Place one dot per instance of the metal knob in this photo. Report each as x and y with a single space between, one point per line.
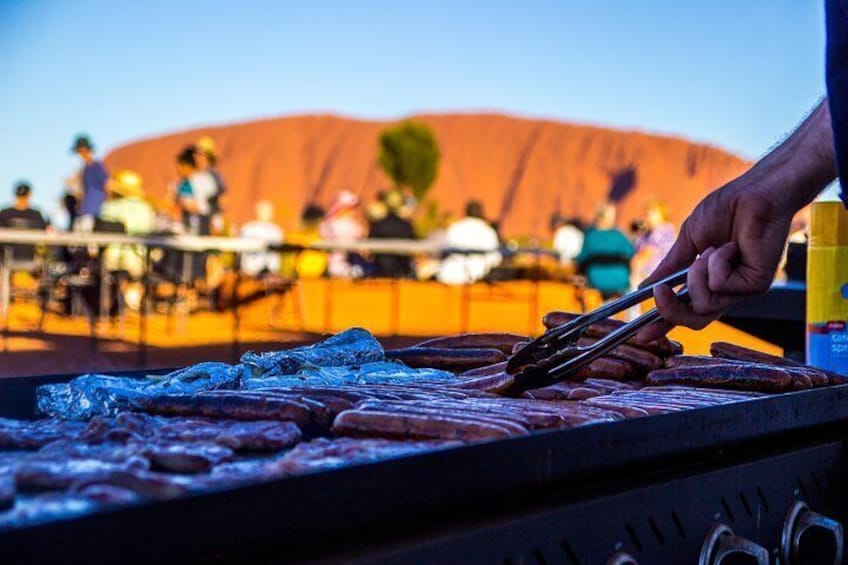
811 538
622 558
722 547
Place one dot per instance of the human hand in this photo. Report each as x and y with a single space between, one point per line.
732 242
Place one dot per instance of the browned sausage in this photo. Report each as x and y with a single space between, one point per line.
607 368
447 359
496 382
751 377
236 406
501 341
639 358
417 426
726 350
485 370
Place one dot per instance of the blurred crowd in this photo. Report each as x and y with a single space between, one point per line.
598 255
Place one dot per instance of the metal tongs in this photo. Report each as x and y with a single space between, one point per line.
555 355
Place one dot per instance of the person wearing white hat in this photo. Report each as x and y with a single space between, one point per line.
342 225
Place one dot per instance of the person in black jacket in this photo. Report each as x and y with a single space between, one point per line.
387 223
22 217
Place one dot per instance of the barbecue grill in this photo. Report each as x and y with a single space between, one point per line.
646 490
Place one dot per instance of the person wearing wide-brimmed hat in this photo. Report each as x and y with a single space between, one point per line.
206 160
128 206
93 178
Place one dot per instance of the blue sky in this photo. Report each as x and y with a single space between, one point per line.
734 74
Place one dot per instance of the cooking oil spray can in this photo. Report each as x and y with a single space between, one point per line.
827 287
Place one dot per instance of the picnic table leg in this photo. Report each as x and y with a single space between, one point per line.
6 282
464 307
142 312
234 354
534 298
328 305
394 312
5 291
102 311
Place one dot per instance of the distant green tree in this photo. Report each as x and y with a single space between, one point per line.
410 156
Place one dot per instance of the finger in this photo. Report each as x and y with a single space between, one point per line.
721 266
679 313
728 276
681 254
701 297
652 332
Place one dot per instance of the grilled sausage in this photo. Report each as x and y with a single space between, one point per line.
761 378
607 368
447 359
639 358
485 370
726 350
495 382
501 341
417 426
233 405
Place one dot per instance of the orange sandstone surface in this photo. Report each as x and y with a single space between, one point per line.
522 169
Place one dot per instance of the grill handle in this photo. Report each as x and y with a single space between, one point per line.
722 547
622 558
810 537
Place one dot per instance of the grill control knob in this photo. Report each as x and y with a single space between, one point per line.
809 538
722 547
622 558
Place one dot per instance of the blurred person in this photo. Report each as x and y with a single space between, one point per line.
194 191
390 225
606 254
568 238
206 159
23 217
308 263
653 242
67 211
342 225
427 266
471 233
128 206
263 229
93 178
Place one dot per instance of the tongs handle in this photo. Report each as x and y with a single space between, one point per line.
609 342
537 364
632 299
611 308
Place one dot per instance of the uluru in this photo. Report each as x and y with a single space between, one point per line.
523 170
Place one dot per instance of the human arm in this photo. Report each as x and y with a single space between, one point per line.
734 238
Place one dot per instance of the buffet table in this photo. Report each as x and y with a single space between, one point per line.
181 243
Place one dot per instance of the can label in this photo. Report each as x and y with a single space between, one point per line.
827 345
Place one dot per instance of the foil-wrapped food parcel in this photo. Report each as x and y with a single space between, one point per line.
102 441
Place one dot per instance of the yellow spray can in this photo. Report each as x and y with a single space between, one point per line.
827 287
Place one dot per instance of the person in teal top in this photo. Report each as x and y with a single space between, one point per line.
605 257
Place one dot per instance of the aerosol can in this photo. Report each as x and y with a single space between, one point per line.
827 287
